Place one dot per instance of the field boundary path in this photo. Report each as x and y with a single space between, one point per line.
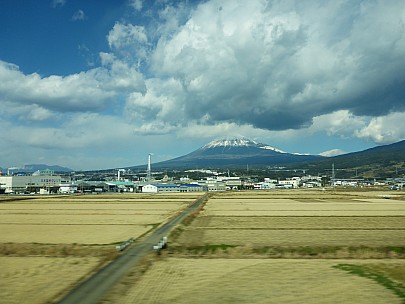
95 287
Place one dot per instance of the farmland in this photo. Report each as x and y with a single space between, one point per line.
49 243
306 219
281 246
255 281
306 246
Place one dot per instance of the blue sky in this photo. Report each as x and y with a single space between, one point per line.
100 84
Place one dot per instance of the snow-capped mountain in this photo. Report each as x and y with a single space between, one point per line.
236 152
239 142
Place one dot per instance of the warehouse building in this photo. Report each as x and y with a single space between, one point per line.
39 182
160 188
191 188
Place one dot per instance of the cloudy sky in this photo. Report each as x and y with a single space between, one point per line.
100 84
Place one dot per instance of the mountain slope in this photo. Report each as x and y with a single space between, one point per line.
378 155
236 152
383 161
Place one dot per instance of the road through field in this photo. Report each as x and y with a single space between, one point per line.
93 289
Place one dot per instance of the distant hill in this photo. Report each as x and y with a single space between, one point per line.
235 152
378 161
35 167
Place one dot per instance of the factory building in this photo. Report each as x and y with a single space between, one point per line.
44 180
159 188
191 188
212 185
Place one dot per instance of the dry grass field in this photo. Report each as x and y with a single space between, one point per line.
85 219
48 243
248 247
306 218
175 280
36 280
288 246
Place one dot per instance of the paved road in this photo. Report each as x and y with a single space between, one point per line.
93 289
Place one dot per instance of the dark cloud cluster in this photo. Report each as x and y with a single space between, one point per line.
278 65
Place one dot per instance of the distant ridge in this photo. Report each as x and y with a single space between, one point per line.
386 155
35 167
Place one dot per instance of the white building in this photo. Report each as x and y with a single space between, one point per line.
266 186
31 183
289 183
158 188
67 188
149 188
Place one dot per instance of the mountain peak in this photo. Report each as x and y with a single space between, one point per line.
230 142
234 142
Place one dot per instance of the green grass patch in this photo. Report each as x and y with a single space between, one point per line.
210 248
365 272
398 250
302 250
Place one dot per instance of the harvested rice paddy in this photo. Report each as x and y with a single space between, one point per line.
220 280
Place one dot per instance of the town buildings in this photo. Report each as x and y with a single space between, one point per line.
47 182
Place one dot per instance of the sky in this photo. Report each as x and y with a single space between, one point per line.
98 84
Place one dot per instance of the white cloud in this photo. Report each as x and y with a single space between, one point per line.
123 35
136 4
118 75
160 105
25 112
82 141
86 91
73 92
79 15
78 131
384 129
342 123
58 3
333 152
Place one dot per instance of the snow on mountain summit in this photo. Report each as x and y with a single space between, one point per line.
272 148
239 142
232 142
